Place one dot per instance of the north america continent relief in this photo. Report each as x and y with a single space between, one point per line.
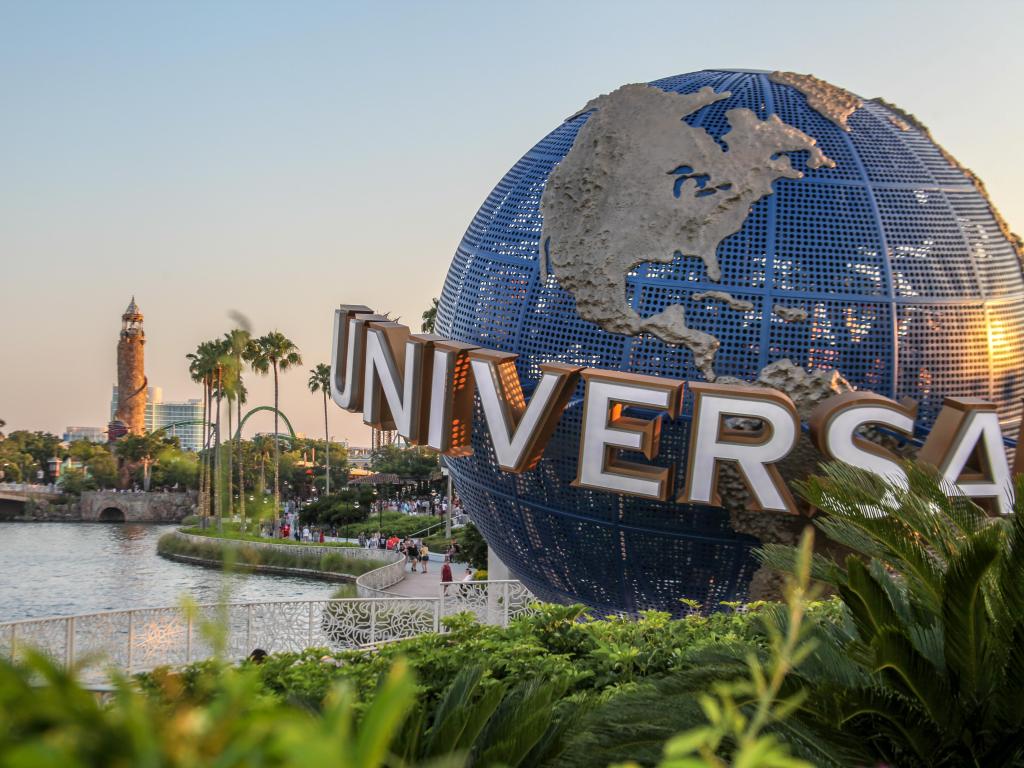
641 186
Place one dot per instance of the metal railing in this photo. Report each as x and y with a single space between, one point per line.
457 520
374 583
31 488
142 639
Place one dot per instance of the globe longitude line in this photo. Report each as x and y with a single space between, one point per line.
769 245
886 258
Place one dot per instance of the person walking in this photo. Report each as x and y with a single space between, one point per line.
410 555
446 575
424 556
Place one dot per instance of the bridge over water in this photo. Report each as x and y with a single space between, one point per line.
21 501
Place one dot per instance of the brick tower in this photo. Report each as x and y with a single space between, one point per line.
131 371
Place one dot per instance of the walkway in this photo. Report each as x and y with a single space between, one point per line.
419 584
425 584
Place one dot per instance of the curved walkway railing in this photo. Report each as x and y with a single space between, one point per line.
142 639
375 583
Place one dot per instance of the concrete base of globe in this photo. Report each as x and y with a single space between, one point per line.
496 570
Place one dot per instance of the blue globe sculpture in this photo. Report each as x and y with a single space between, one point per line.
813 237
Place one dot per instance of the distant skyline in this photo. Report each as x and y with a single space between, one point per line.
278 159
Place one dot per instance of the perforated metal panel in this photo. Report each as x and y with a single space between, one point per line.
910 287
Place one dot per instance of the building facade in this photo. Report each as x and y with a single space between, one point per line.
159 414
92 434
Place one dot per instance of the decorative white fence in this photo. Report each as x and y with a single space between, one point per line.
374 583
142 639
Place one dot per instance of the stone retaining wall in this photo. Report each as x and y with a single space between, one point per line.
255 568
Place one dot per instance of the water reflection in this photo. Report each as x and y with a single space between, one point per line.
49 569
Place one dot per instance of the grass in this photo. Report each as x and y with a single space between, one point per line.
212 550
390 522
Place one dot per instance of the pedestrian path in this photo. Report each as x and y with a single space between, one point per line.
417 584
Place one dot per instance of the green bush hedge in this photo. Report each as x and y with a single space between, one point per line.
231 531
212 550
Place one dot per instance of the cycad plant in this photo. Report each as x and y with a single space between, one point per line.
928 668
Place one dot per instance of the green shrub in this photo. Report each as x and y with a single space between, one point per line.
223 717
231 531
252 555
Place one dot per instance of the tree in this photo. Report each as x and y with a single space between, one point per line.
202 366
73 481
415 462
320 381
134 450
430 317
175 467
264 447
102 468
82 450
275 352
239 346
41 446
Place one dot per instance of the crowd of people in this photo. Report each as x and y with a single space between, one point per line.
415 550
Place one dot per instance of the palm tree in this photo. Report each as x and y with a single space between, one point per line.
275 352
202 368
221 362
263 445
430 317
238 343
320 381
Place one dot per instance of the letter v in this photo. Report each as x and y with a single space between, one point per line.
519 432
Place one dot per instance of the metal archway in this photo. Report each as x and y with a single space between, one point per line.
272 409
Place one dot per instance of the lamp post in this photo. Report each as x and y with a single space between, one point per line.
379 511
448 512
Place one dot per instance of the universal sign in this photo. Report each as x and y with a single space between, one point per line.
422 385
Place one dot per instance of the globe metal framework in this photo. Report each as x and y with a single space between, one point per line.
909 282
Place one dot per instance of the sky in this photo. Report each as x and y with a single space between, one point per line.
280 158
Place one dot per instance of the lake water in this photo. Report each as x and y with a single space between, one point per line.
54 569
